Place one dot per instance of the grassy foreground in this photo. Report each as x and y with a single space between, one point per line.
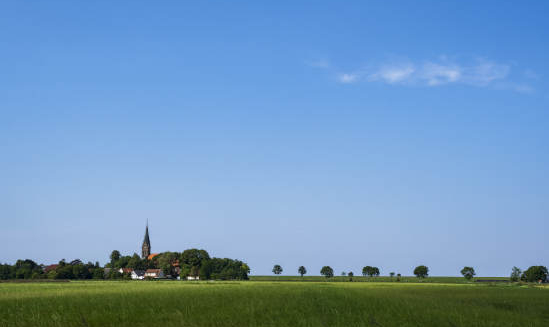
173 303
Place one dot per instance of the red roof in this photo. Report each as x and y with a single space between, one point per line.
50 267
127 270
152 255
155 271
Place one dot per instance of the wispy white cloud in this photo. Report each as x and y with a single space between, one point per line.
348 78
393 74
436 74
485 72
432 73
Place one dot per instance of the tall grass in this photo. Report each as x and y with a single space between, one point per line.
270 304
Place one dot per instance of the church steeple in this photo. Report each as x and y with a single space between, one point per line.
146 247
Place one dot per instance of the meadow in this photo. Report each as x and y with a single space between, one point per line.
254 303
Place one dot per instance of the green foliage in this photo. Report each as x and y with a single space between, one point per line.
327 271
302 270
166 261
191 262
468 272
115 255
98 273
535 274
370 271
421 271
277 269
224 269
137 263
115 274
24 269
194 257
515 274
7 271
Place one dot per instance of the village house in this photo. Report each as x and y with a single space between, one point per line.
138 274
154 273
125 271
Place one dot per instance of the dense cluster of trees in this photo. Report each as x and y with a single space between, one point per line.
28 269
532 274
192 262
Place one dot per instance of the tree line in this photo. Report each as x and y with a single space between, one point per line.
532 274
28 269
191 262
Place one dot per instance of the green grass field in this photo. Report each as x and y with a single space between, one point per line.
172 303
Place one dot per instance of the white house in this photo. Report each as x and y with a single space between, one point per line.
138 274
193 278
154 273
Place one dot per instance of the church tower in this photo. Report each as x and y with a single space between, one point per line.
146 247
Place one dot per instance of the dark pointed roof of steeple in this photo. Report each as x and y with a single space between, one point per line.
146 240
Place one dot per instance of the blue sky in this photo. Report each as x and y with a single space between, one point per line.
344 133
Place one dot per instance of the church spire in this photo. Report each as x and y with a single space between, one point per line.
146 247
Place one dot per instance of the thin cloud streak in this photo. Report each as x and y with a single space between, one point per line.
479 73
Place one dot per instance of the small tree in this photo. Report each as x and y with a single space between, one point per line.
515 274
343 273
392 274
302 270
327 271
398 277
370 271
421 271
115 256
277 269
350 274
468 272
535 274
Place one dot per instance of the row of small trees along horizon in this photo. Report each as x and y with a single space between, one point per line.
198 263
532 274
